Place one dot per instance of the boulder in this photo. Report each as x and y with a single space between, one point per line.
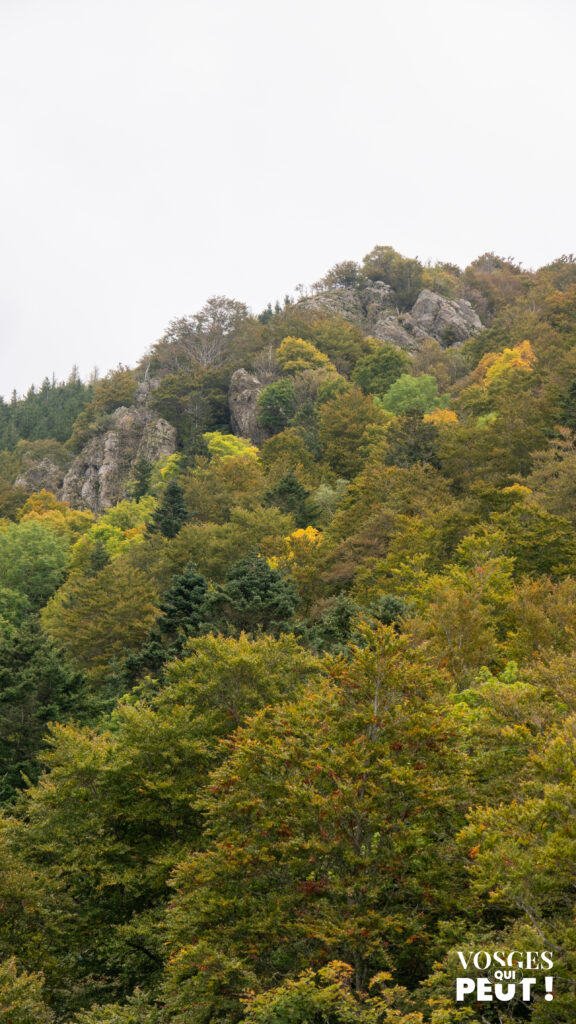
243 404
450 321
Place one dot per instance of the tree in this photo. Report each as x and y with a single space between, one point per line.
377 371
407 393
116 389
33 558
411 439
402 274
295 355
287 452
254 597
214 547
343 423
171 513
228 446
330 830
201 339
277 404
36 687
86 856
142 470
290 496
553 476
539 542
213 488
183 606
523 858
21 1000
327 996
100 618
341 275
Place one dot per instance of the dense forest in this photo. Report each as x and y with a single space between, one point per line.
293 721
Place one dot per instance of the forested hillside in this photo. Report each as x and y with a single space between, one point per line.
288 659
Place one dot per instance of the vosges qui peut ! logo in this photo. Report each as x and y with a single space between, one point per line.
504 975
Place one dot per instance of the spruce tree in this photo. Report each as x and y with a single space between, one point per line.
171 514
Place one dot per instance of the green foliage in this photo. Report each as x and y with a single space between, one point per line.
341 275
376 372
343 424
116 389
539 542
36 687
142 478
182 607
213 488
277 404
136 1010
404 275
93 844
407 393
33 559
193 403
21 999
254 597
327 996
171 514
45 414
101 617
214 547
222 824
308 859
290 496
344 343
411 439
287 452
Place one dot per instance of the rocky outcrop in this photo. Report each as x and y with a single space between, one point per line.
99 475
448 320
344 302
45 474
373 308
243 404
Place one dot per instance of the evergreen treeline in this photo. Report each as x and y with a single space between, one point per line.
292 725
48 412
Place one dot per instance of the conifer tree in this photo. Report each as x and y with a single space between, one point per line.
171 514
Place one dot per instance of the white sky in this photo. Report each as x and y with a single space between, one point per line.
157 152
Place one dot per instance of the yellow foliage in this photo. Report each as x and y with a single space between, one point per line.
441 417
495 365
44 507
295 355
300 554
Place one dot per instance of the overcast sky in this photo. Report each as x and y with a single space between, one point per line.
157 152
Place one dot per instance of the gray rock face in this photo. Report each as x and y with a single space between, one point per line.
448 320
243 404
372 307
45 474
99 475
344 302
398 330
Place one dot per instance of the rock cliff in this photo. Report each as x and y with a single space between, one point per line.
100 474
372 307
243 404
98 477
